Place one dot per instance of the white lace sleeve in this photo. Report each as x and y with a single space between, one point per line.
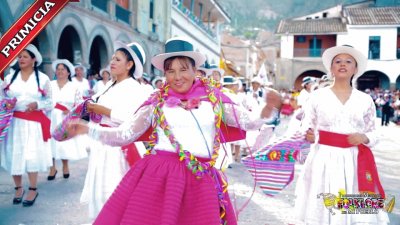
46 102
127 132
236 116
309 118
369 120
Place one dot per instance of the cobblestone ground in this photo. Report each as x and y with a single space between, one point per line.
58 201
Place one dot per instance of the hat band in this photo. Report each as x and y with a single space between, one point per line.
137 52
214 67
178 46
228 80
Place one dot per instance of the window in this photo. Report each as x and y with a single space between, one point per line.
324 15
151 9
301 39
374 47
315 47
201 10
192 5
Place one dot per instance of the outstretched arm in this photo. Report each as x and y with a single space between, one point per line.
239 117
126 133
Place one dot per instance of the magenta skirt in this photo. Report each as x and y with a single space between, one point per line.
159 189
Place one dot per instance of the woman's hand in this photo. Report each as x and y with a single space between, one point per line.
98 109
10 105
357 139
274 101
77 127
310 135
65 112
31 107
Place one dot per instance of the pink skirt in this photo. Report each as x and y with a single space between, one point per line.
160 189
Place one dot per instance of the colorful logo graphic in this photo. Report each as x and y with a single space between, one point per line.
363 203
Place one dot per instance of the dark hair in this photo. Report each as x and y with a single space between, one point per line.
129 58
183 60
66 67
19 69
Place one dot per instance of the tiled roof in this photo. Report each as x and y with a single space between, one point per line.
373 16
313 26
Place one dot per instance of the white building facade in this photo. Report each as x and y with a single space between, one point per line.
200 21
375 31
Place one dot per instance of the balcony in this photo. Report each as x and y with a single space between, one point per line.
122 14
308 52
193 18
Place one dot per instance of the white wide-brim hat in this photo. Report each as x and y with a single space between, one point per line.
158 78
137 53
228 80
330 53
79 65
209 69
36 52
178 46
107 69
307 80
257 80
66 62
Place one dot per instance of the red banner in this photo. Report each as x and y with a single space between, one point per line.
26 28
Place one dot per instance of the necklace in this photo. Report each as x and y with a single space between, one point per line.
193 164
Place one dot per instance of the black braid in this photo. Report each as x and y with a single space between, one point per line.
14 75
37 74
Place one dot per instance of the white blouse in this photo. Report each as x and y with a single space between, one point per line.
324 111
194 129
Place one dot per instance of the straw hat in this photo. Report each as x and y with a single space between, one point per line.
307 80
79 65
107 69
137 53
66 62
361 60
178 46
36 52
157 78
257 80
228 80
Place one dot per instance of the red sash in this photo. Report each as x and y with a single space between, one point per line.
60 107
367 174
130 151
37 116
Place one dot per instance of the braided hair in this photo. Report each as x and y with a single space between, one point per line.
35 67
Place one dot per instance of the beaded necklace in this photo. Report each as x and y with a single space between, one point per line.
193 164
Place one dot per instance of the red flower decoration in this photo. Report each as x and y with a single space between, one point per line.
192 103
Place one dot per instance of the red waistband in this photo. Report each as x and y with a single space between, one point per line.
130 151
60 107
333 139
36 116
367 173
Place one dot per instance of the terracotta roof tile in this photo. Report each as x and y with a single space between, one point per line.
313 26
373 16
